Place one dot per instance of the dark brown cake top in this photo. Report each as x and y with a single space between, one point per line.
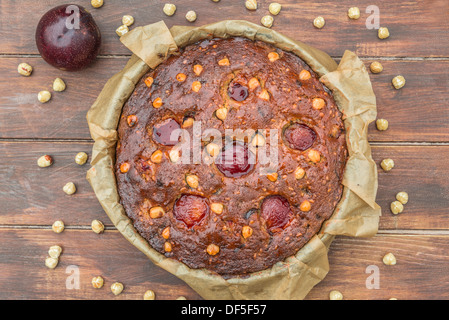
230 156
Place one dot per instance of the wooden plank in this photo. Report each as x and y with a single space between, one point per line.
24 275
417 27
38 198
417 112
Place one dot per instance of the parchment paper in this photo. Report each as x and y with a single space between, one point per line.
357 214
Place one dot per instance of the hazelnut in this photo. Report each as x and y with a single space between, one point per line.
335 295
45 161
267 21
382 124
124 167
25 69
188 122
69 188
122 30
354 13
149 295
305 206
59 85
383 33
217 207
196 86
166 233
387 164
157 103
221 113
181 297
318 103
253 83
169 9
264 95
174 155
181 77
304 75
299 173
273 177
81 158
44 96
96 3
314 156
396 207
213 149
398 82
273 56
58 226
402 197
51 263
54 252
117 288
247 231
213 249
191 16
389 259
258 140
376 67
128 20
251 4
197 69
274 8
167 247
97 282
156 212
319 22
192 180
224 62
149 81
156 157
97 226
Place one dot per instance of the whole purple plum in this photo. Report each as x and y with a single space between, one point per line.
68 38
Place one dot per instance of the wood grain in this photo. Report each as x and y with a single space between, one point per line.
39 199
24 275
417 112
417 27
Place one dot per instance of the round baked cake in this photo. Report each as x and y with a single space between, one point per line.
221 203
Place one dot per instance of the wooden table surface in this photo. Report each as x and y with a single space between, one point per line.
31 198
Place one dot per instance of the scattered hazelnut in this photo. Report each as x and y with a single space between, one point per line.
167 247
247 231
59 85
213 249
217 207
69 188
224 62
387 164
304 75
382 124
169 9
25 69
156 157
319 22
97 226
51 263
166 233
174 155
213 149
299 173
188 122
251 4
376 67
58 226
221 113
196 86
274 8
191 16
96 3
273 177
354 13
273 56
97 282
157 103
258 140
44 96
383 33
128 20
149 81
181 297
402 197
253 83
117 288
314 156
124 167
149 295
264 95
156 212
389 259
267 21
335 295
197 69
318 103
192 180
81 158
398 82
396 207
305 206
54 252
45 161
122 30
181 77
